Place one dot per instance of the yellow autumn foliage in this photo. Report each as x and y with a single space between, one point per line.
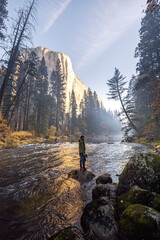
4 129
22 135
51 131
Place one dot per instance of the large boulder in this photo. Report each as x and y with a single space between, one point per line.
143 169
99 190
104 179
70 233
139 222
103 190
156 202
135 195
98 220
81 176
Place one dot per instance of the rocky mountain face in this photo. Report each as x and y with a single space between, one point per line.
72 82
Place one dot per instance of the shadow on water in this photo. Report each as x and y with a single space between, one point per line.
37 198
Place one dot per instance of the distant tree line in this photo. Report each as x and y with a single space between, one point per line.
30 104
140 101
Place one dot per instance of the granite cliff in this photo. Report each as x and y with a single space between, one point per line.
72 82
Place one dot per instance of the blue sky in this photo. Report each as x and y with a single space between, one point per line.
98 35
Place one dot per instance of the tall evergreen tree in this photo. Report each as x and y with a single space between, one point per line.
90 111
148 47
97 113
93 117
148 66
58 91
130 106
41 97
16 86
3 16
73 109
116 90
30 90
81 118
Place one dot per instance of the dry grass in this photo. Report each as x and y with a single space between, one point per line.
14 139
22 135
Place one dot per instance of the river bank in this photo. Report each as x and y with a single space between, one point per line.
15 139
154 143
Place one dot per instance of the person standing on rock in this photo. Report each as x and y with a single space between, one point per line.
82 153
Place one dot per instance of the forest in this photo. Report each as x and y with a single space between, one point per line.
32 105
140 98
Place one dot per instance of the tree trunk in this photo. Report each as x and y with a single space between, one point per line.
14 50
132 124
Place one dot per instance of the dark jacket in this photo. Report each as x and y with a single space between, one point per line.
82 148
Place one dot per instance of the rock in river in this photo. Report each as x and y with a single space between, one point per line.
70 233
139 222
98 220
104 179
103 190
143 169
81 176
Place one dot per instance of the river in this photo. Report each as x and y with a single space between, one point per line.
38 199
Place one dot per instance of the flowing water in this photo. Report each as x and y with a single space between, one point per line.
37 198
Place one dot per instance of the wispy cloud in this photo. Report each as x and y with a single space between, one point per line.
53 11
111 20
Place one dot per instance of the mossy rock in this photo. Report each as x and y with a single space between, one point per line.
139 222
98 220
70 233
143 169
135 195
156 202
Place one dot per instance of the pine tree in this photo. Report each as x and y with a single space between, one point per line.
16 87
148 48
90 109
3 16
130 106
81 118
156 105
73 109
148 67
116 90
82 106
41 97
58 91
29 92
97 114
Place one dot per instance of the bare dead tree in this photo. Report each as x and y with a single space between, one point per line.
29 69
21 35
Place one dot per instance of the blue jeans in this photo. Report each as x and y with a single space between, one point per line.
82 160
